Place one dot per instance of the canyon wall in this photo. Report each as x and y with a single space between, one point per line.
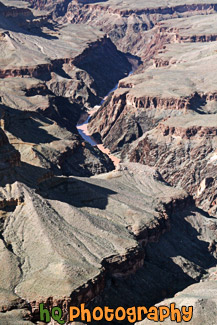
175 88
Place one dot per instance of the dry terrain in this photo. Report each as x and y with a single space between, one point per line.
74 228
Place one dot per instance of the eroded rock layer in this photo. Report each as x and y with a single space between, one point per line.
184 151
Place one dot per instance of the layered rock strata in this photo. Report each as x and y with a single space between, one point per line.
129 24
184 151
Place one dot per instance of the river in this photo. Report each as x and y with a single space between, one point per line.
83 131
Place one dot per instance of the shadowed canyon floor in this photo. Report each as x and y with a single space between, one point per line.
74 228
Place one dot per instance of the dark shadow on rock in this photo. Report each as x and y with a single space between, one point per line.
71 190
60 110
25 173
197 103
21 24
105 64
134 60
204 213
59 70
85 162
64 112
73 158
76 192
20 123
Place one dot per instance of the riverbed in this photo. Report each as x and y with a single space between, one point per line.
82 128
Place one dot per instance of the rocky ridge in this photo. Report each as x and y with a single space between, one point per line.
107 240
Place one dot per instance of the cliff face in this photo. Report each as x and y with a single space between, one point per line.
184 152
172 86
9 156
17 15
14 12
89 54
58 7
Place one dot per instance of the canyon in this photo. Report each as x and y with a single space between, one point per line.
107 201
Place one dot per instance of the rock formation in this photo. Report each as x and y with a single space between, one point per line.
99 237
172 100
184 151
46 88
